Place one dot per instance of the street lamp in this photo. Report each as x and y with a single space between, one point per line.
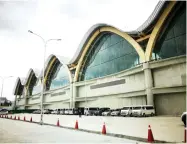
2 84
42 86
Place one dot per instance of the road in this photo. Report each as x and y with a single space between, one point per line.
23 132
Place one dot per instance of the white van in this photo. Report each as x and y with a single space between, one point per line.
126 111
144 110
91 111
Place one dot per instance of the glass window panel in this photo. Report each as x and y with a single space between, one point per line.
181 44
110 57
115 39
180 25
168 49
170 34
60 79
173 41
105 55
37 87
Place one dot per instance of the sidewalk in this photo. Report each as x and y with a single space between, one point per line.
169 129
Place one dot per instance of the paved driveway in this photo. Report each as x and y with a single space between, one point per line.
21 132
170 129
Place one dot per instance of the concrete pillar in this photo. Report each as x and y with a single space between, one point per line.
25 96
71 95
74 94
14 107
148 83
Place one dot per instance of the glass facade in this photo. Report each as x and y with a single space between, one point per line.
37 87
172 41
108 54
58 77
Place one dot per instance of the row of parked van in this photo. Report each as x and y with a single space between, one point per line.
146 110
143 110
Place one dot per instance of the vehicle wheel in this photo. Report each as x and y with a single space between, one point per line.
143 114
152 114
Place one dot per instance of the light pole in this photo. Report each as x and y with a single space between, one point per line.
2 84
43 72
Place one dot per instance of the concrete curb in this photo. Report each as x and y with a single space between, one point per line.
97 132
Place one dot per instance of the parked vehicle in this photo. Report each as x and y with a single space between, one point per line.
37 112
3 111
62 111
107 112
90 111
126 111
183 117
75 111
144 110
116 112
101 110
54 112
66 111
81 110
70 112
46 111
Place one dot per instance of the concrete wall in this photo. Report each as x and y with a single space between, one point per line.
129 87
57 95
114 91
134 82
57 105
20 102
170 85
170 104
170 76
113 102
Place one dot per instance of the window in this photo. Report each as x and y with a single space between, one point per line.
172 41
149 107
37 87
58 77
125 108
93 108
108 54
137 108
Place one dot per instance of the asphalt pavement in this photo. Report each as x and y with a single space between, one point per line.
22 132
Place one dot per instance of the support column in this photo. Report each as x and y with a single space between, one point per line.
25 96
148 83
71 95
14 107
74 94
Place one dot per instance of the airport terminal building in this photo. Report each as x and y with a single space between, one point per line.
113 68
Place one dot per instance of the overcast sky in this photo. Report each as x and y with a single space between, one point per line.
65 19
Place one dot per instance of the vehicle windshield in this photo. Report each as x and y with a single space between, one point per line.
137 108
125 108
149 107
3 110
93 108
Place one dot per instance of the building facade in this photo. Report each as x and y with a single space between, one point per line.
113 68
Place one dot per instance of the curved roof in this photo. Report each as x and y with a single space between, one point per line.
36 73
19 81
151 19
154 15
62 60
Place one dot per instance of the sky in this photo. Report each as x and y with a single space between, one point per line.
67 20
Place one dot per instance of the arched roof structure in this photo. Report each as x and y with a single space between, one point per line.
50 61
31 71
144 28
19 86
150 28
